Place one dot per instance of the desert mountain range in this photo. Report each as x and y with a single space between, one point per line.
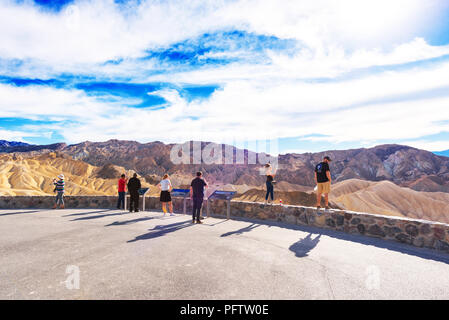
388 179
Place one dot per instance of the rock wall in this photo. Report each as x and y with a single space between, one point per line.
419 233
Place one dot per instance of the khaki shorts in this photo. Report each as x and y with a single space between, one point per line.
324 187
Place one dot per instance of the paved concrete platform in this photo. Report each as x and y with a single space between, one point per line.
147 256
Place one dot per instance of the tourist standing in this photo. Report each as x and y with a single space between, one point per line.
269 183
121 192
323 180
165 198
197 188
133 189
59 189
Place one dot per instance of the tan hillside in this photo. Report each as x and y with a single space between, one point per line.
33 175
387 198
287 197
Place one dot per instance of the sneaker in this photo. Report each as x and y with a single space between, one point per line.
171 214
193 221
199 221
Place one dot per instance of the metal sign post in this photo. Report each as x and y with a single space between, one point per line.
181 193
142 192
222 195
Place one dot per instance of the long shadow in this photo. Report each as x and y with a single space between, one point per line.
121 223
305 245
214 224
424 253
86 213
20 212
240 231
97 217
162 230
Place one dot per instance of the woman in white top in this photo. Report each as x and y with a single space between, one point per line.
166 187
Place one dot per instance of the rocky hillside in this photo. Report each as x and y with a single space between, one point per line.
387 198
405 166
153 159
7 144
9 147
33 175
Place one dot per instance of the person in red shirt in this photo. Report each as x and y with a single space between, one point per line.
121 192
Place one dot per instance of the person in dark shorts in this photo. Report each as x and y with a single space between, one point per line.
121 192
165 198
197 195
133 189
323 180
269 183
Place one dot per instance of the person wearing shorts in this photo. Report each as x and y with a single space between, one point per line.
323 180
165 198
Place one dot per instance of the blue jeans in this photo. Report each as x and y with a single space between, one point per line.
270 191
121 200
60 198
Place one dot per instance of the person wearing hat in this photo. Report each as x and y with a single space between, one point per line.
59 189
323 180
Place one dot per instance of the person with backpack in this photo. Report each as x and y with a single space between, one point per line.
323 180
121 192
59 189
133 189
165 198
197 188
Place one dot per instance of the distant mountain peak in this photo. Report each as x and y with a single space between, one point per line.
4 143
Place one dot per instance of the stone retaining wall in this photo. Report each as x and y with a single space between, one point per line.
419 233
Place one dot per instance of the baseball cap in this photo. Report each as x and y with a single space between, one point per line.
327 158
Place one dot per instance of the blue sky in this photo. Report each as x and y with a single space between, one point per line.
313 76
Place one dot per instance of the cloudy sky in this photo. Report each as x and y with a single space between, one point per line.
316 75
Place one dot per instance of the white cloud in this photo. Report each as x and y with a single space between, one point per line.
429 145
15 135
84 35
276 99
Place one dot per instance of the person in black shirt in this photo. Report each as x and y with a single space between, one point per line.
133 189
197 194
269 182
323 180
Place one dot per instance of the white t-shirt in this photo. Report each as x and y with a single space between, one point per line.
165 185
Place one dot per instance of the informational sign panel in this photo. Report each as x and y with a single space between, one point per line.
182 193
222 195
142 192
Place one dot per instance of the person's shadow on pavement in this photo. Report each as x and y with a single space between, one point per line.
304 246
